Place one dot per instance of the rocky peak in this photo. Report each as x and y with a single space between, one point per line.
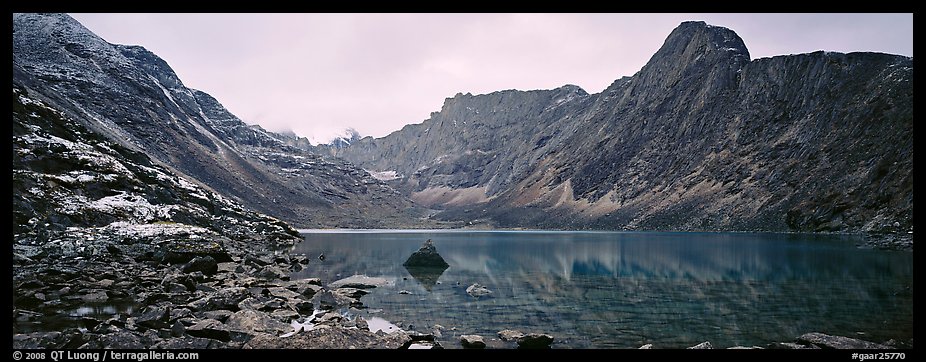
694 53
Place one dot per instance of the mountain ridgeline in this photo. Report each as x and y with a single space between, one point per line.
701 138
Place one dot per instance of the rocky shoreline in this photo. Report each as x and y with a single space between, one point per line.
191 288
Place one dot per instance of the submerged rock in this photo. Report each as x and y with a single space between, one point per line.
359 282
702 345
426 256
477 290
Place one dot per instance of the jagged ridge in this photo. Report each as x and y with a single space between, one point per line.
701 138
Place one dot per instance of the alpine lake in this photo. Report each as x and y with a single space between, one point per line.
625 289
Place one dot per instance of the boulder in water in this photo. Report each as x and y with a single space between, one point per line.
426 256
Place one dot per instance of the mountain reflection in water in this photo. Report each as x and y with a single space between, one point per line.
623 289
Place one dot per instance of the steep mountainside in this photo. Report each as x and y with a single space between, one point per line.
701 138
129 95
76 192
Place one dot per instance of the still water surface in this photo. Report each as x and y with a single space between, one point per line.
626 289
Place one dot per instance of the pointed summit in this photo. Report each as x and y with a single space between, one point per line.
694 53
698 37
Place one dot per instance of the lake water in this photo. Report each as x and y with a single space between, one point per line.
626 289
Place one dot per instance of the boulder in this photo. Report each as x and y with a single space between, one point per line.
254 322
837 342
209 328
271 272
205 264
509 335
535 340
472 341
426 256
153 317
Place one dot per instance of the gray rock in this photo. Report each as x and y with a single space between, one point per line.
209 328
284 315
359 282
95 296
352 293
254 322
789 345
189 342
510 335
283 293
220 315
185 250
205 264
36 340
153 317
837 342
177 329
477 290
332 338
226 298
272 272
121 340
426 256
255 303
702 345
472 341
535 340
327 300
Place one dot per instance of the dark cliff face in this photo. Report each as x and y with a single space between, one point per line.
701 138
133 97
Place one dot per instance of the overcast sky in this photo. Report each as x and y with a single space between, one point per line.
317 74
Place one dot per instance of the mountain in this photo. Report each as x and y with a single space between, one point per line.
701 138
133 98
67 178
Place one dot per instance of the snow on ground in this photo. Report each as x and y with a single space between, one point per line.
135 206
128 229
384 175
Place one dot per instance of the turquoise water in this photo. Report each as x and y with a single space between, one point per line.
626 289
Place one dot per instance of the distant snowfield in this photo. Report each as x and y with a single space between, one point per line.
384 175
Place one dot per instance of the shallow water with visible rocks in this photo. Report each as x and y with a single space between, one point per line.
627 289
